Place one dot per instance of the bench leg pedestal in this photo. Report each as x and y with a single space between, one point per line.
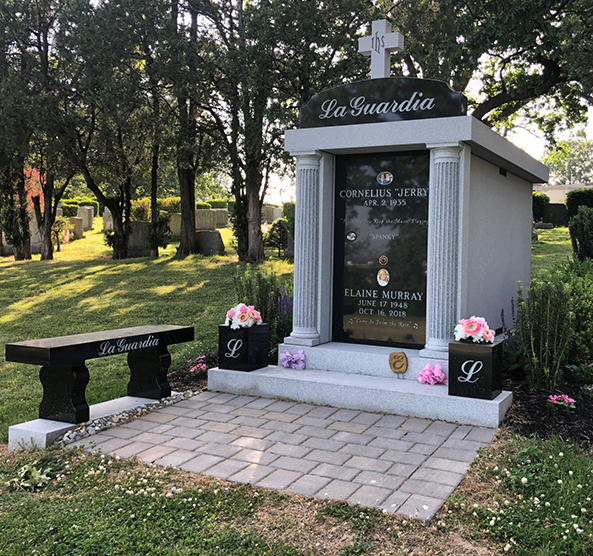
148 373
64 389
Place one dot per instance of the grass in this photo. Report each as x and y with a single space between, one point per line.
521 496
83 290
552 247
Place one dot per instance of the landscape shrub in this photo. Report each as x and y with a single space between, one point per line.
288 212
141 209
69 209
578 198
581 233
271 296
277 235
159 233
218 203
545 328
169 204
200 205
60 226
539 202
578 275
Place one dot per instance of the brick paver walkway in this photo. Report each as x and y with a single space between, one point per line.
403 465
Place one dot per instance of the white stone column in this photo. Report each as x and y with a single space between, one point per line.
442 298
305 330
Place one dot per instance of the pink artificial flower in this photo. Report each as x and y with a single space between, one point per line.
432 375
230 314
439 375
243 317
243 309
254 314
471 327
488 334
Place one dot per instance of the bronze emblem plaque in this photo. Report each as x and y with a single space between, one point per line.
398 362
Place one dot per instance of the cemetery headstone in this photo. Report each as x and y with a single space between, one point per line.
107 220
205 220
138 245
87 215
78 229
175 225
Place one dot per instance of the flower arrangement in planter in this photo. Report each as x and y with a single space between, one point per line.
474 329
242 316
241 345
475 361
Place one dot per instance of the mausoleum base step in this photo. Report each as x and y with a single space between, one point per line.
362 392
40 433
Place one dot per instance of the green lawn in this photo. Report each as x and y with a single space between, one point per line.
551 248
83 290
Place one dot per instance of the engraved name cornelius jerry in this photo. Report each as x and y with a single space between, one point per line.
470 368
359 106
111 347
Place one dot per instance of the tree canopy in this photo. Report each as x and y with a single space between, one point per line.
570 161
511 57
129 92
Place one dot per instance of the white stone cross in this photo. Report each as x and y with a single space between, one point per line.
379 47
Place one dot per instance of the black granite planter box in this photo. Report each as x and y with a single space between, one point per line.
475 370
244 349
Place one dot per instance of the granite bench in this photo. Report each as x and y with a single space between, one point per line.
64 374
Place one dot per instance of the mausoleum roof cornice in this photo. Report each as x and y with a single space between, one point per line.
417 134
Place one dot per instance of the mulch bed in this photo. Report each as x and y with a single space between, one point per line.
529 414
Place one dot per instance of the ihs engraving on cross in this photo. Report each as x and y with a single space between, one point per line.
379 47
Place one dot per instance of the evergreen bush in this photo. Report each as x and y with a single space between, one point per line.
545 328
539 202
271 296
288 212
170 204
141 209
203 206
69 209
159 233
277 235
579 277
578 198
218 203
581 233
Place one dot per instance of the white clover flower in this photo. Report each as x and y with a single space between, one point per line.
524 480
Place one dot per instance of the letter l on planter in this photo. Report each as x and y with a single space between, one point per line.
475 370
244 349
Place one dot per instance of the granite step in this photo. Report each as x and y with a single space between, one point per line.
362 392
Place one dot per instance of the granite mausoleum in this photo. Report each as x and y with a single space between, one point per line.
410 215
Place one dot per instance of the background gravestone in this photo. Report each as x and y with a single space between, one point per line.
87 214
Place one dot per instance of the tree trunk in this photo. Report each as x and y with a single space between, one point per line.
255 252
45 219
187 192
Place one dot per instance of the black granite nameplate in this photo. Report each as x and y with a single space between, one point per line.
391 99
381 235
